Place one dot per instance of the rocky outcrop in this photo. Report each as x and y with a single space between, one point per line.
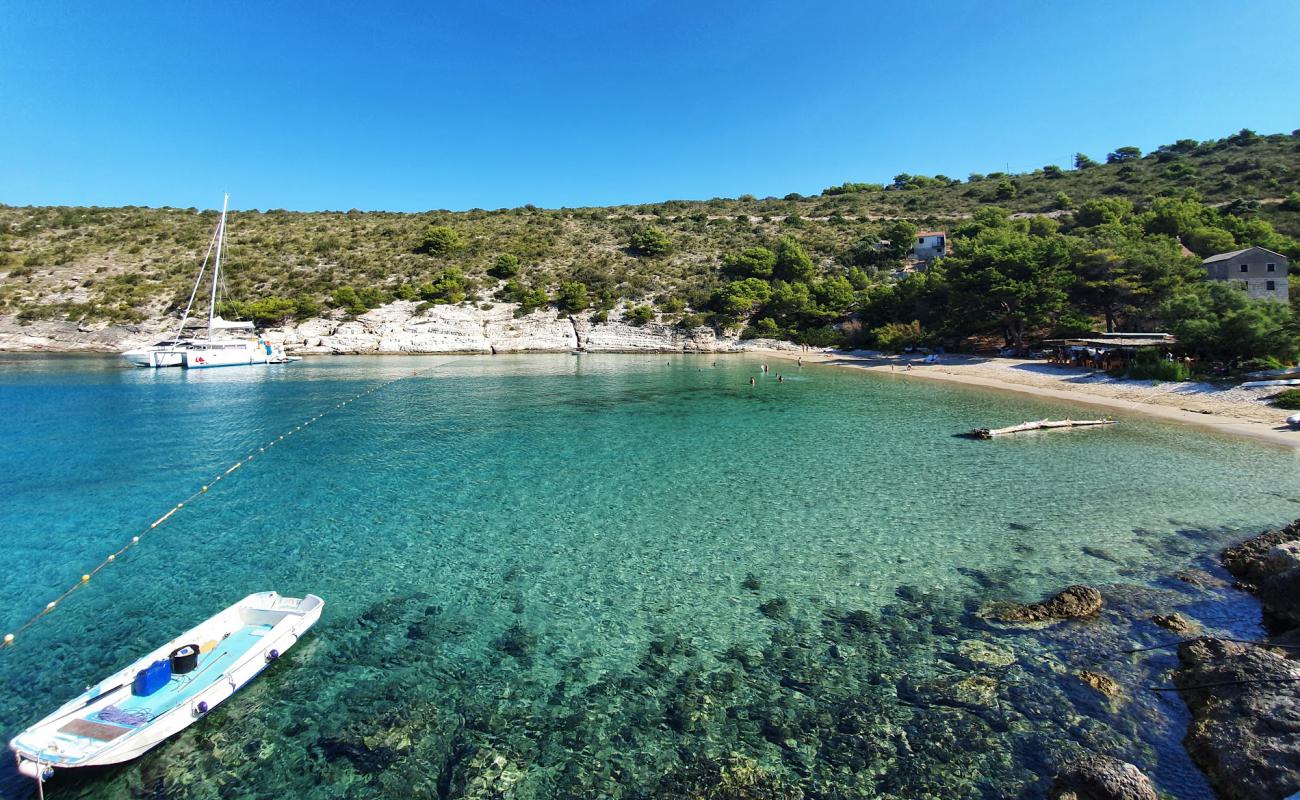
1095 777
1269 566
1249 561
622 337
61 336
1245 730
1076 602
405 327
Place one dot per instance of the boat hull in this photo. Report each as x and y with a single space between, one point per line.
207 354
113 722
154 359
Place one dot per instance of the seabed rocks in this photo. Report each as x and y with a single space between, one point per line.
1075 602
1097 777
920 698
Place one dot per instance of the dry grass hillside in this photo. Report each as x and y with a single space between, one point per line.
127 264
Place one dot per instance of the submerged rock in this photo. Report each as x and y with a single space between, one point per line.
1095 777
977 653
735 777
1103 683
1200 579
776 608
485 774
1175 622
1245 731
1076 602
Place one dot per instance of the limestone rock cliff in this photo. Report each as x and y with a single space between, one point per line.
401 327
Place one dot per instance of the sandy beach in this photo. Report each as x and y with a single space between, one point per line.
1236 411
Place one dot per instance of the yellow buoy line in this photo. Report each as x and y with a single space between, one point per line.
10 638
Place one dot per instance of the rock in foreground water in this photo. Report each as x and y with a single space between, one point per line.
1245 731
1250 561
1076 602
1095 777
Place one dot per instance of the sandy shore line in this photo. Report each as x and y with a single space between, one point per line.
1235 411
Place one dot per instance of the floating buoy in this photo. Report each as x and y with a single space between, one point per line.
202 708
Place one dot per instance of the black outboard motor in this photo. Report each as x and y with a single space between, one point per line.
185 659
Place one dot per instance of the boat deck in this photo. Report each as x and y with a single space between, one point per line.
210 666
94 728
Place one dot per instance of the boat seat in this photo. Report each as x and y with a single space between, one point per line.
100 731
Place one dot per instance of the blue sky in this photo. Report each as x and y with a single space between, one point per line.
414 106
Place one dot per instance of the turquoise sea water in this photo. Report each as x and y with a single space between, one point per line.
613 576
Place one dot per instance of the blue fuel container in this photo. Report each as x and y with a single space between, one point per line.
152 678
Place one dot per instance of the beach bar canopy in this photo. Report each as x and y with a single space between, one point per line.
1107 350
1126 340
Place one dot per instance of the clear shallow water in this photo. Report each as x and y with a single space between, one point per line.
535 573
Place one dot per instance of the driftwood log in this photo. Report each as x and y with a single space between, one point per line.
1042 424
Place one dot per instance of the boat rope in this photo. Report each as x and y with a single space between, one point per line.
10 638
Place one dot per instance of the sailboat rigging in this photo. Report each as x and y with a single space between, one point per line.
220 347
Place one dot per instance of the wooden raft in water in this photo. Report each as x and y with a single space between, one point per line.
1042 424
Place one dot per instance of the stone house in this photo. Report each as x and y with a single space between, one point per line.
1261 271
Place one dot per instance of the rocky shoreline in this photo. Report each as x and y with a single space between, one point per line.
1244 732
405 327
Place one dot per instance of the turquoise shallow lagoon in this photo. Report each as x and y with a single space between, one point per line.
614 576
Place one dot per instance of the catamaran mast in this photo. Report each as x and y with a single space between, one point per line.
216 267
198 280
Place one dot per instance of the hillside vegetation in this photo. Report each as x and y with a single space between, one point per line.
1053 251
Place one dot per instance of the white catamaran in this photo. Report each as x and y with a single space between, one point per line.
222 347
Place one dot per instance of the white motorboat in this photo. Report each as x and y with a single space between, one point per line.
167 690
222 346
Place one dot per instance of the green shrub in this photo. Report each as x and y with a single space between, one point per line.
640 315
572 297
672 305
505 267
896 336
1262 363
1158 370
1289 399
651 242
440 240
826 336
764 328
